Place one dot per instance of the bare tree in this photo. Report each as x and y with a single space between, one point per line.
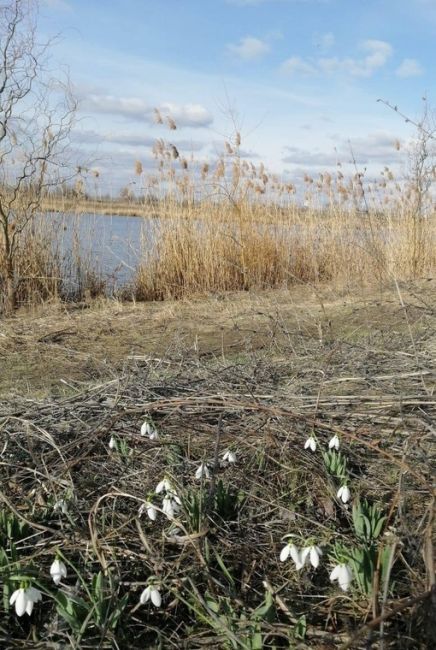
421 175
36 117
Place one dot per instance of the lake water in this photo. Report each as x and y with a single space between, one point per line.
111 245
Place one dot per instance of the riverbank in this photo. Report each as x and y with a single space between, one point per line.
62 344
251 374
109 208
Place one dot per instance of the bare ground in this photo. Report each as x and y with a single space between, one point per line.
57 348
256 372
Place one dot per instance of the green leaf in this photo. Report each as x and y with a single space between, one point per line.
224 569
213 605
263 610
301 628
72 610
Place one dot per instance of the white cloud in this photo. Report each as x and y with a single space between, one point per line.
325 41
377 55
193 115
377 147
409 68
309 158
249 48
130 140
297 65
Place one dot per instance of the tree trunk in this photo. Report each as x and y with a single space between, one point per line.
10 299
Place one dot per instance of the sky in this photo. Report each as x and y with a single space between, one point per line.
299 78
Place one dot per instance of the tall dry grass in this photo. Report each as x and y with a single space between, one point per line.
46 270
229 225
230 250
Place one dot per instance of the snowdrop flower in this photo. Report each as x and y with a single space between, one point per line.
292 550
310 443
149 430
61 506
151 593
343 574
202 471
334 442
164 485
229 456
58 570
170 505
24 599
343 493
112 443
151 512
314 553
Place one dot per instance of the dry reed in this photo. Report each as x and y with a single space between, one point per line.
230 225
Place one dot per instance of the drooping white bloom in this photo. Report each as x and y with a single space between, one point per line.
310 443
61 506
170 505
145 428
151 512
292 550
150 509
24 599
313 553
165 484
343 574
58 570
343 493
148 429
334 442
202 471
151 593
112 443
229 456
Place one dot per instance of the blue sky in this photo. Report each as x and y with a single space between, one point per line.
303 77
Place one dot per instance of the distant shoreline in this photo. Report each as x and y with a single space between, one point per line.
108 208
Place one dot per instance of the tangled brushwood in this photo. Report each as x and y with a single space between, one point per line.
225 504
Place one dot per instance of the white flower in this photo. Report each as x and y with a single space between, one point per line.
343 493
314 553
164 485
310 443
292 550
202 471
151 512
170 505
229 456
112 443
150 509
343 574
24 599
149 430
61 505
334 442
151 593
58 570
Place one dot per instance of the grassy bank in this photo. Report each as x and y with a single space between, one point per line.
90 205
206 249
257 374
231 226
